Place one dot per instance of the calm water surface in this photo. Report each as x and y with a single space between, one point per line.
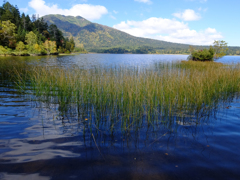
38 142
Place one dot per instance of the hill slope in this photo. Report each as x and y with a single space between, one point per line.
99 38
95 36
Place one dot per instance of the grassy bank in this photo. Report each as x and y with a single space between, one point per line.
121 93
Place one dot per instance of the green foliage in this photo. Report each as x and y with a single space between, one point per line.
80 49
33 32
21 33
7 33
72 44
145 50
5 50
116 51
31 38
202 55
61 49
20 46
220 48
67 52
50 47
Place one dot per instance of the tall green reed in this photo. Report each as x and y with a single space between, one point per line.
127 95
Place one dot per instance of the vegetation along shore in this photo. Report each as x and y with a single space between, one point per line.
21 35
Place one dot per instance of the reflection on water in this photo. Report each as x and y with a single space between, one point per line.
103 60
39 141
23 176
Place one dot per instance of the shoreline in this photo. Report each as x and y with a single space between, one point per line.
75 53
54 54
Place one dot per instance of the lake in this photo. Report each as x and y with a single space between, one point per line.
38 142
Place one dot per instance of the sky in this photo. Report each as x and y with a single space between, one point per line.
196 22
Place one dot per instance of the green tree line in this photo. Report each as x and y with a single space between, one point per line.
21 34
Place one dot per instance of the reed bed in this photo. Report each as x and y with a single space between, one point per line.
130 94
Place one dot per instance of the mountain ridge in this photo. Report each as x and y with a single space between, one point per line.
97 36
100 38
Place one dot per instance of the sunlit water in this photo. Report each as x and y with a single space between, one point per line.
38 142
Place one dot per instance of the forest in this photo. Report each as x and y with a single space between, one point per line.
21 34
142 50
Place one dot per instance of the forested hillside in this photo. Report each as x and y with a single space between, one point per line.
21 34
99 38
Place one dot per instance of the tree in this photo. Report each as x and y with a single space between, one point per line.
27 24
31 39
53 46
8 12
20 46
31 31
46 45
72 44
201 55
3 51
55 34
7 33
38 48
50 46
68 46
40 25
220 48
16 13
21 33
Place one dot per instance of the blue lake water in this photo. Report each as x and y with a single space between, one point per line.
37 142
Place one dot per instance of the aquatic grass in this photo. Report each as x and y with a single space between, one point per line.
128 96
172 89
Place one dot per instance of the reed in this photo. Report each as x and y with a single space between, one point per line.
127 95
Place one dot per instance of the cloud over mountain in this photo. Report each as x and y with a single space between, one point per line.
91 12
169 30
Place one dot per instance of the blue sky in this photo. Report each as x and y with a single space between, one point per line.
197 22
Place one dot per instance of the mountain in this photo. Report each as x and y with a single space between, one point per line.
95 36
99 38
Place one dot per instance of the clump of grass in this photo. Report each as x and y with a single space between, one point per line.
11 71
128 95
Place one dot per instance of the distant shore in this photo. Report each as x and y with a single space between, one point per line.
74 53
53 54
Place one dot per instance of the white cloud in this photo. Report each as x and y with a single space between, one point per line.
115 12
211 30
150 26
188 15
187 36
169 30
144 1
88 11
